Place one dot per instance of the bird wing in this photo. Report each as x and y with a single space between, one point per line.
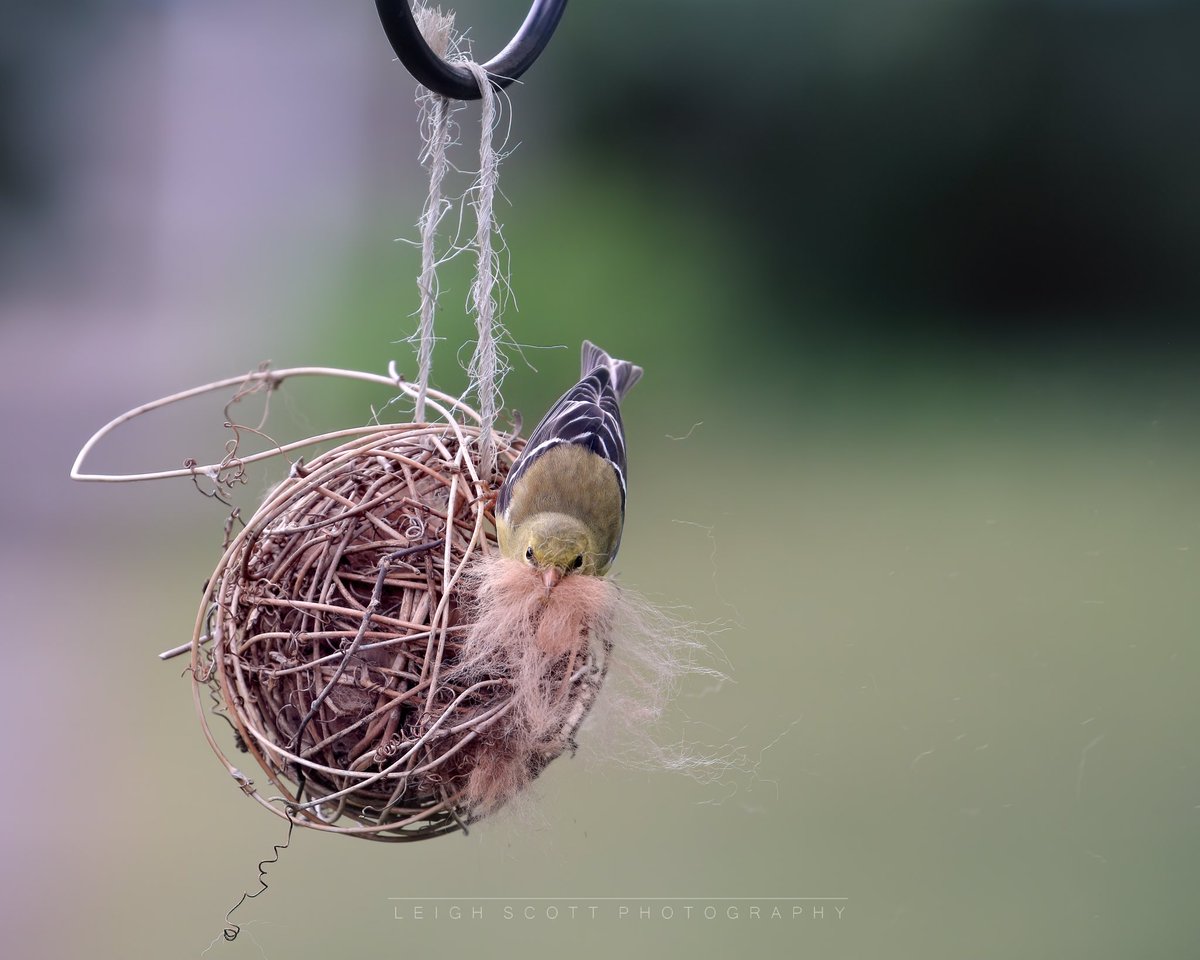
588 414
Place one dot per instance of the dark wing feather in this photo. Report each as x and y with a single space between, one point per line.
588 414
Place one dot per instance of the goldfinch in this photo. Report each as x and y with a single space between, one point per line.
562 506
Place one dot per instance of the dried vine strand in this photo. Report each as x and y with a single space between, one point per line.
368 613
272 379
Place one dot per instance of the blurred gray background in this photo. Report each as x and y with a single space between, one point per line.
915 287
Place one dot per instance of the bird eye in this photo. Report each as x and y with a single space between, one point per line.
579 561
529 554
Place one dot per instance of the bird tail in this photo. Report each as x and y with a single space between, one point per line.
624 374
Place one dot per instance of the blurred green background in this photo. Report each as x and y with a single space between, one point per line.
915 287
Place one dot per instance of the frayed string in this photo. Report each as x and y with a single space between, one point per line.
435 111
487 365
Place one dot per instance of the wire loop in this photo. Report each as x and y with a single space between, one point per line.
456 81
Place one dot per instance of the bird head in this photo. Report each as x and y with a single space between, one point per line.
557 545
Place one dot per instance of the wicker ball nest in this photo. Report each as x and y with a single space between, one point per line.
331 636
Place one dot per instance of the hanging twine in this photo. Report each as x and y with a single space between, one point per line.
435 111
486 369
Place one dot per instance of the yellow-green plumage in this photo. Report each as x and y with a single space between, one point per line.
562 506
567 505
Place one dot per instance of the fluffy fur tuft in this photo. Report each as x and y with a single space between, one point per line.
553 653
549 652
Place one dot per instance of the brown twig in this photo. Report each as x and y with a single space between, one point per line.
372 609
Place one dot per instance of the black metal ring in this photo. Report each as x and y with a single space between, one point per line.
458 82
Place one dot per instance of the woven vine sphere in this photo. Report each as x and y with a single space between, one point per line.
332 627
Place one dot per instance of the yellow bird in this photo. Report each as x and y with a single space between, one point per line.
562 506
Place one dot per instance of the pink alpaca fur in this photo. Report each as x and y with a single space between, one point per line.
544 648
551 653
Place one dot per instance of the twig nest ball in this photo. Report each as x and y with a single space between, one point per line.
391 674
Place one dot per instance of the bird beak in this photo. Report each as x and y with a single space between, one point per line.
550 577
